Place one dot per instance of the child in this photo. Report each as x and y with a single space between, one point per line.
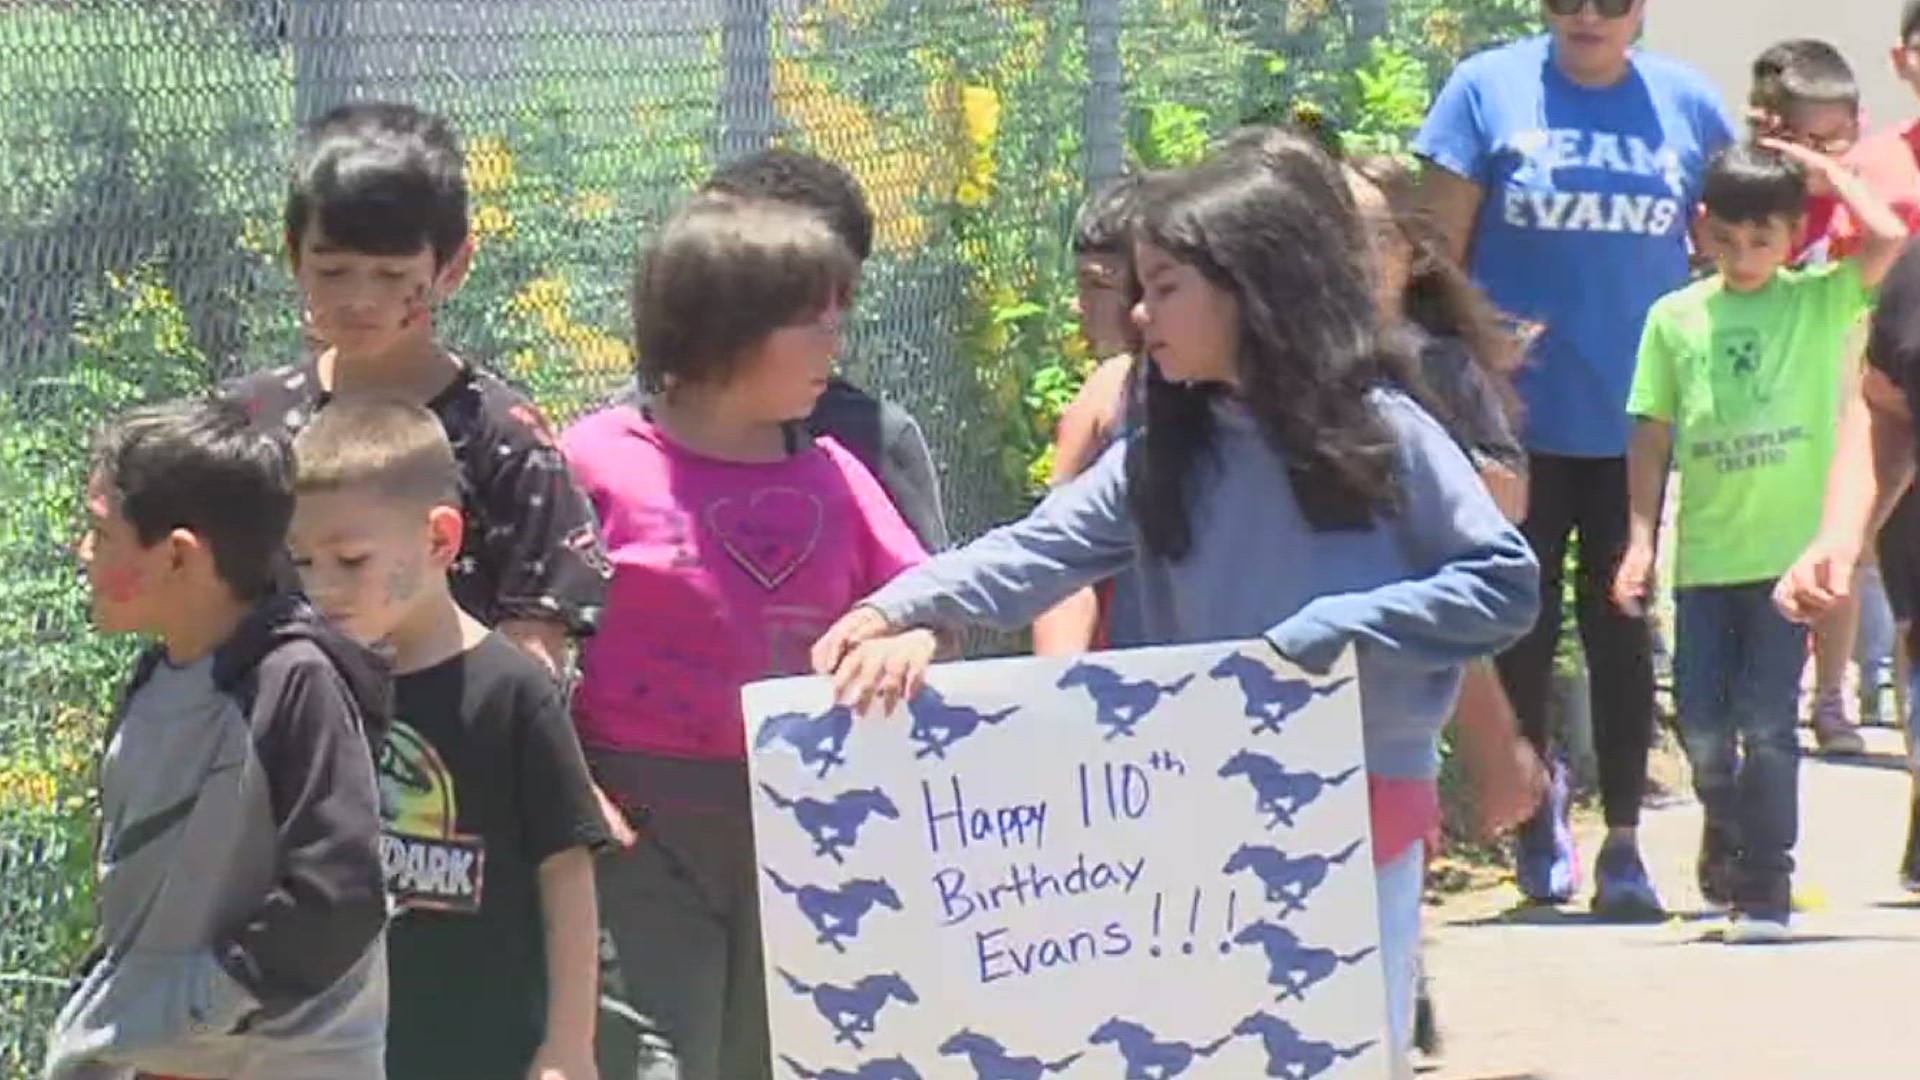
377 236
239 894
490 817
1746 371
1103 274
732 551
1805 92
1466 357
882 435
1273 439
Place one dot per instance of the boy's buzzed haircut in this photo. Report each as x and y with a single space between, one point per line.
1909 22
794 176
1105 224
379 178
724 273
1803 71
202 465
1751 185
376 446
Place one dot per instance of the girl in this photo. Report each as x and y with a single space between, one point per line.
731 550
1281 487
1466 356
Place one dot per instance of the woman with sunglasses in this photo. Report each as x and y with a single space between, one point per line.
1564 170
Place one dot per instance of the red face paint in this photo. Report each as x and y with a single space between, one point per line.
117 584
416 309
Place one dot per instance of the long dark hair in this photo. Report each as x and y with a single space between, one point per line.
1440 298
1278 230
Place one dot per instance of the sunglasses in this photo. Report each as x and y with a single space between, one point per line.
1607 9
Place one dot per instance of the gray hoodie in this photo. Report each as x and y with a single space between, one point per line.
240 900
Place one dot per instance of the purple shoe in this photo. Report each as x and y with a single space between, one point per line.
1546 863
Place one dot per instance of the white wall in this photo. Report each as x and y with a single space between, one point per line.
1721 38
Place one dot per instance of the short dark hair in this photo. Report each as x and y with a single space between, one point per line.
1105 223
1909 21
380 178
202 465
1747 184
723 274
1803 71
795 176
378 446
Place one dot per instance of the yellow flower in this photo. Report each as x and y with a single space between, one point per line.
489 165
980 114
592 205
257 236
492 222
27 787
597 352
540 294
886 160
1445 31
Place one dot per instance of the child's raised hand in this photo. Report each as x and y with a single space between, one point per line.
1815 162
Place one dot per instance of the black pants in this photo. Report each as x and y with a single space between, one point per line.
1587 496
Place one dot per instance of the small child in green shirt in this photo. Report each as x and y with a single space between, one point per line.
1742 374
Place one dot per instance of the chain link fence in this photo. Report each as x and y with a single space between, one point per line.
141 154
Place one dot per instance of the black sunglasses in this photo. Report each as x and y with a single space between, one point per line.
1608 9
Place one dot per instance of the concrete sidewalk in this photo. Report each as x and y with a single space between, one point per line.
1550 994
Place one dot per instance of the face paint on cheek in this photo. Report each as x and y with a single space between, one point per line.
403 581
418 308
118 584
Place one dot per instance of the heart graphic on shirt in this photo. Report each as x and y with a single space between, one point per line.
769 533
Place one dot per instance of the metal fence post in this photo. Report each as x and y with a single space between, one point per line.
746 92
1105 114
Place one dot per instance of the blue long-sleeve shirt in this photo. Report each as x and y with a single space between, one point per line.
1444 580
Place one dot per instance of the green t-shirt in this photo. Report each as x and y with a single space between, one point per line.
1751 383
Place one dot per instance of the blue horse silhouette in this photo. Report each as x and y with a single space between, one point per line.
1147 1057
836 913
835 826
1278 793
1288 880
888 1068
1292 966
820 740
991 1061
938 726
1271 700
1290 1056
1120 703
853 1010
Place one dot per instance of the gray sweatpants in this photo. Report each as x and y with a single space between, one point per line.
683 909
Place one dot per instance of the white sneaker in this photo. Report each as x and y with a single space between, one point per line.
1748 930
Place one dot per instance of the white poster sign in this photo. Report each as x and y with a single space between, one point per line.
1140 865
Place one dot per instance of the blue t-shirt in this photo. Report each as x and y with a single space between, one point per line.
1588 195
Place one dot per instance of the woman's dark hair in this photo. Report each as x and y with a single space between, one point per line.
1440 298
723 274
1277 229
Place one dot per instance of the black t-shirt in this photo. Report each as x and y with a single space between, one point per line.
1893 338
481 780
532 547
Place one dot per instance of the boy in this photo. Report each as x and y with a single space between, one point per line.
1106 404
884 436
377 235
1805 92
490 818
1745 371
239 900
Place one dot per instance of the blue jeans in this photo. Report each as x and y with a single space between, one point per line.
1736 677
